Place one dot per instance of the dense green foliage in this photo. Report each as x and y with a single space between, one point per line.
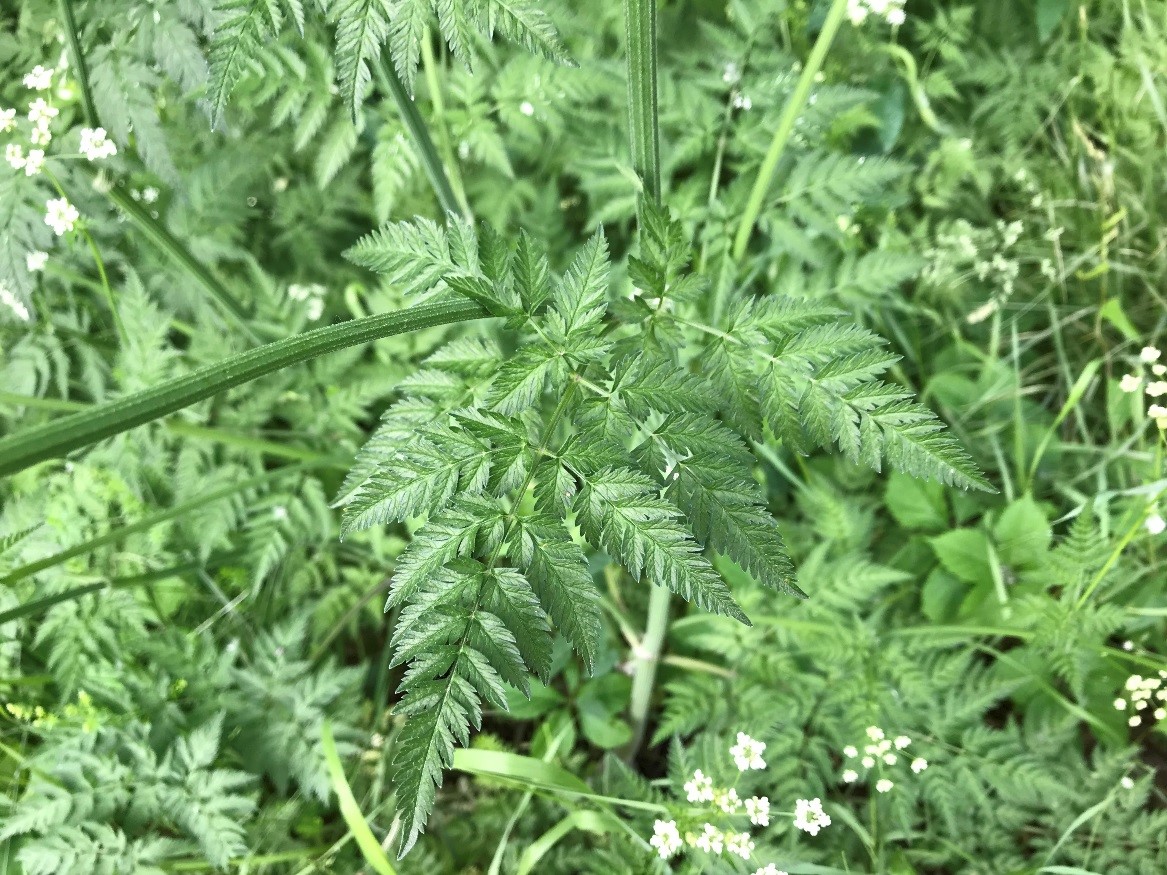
899 452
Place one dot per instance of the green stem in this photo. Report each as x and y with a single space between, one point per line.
430 66
57 438
170 245
643 127
647 658
80 68
430 159
644 136
794 106
144 524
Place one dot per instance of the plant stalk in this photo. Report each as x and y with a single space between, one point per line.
794 107
643 126
57 438
435 170
80 68
644 137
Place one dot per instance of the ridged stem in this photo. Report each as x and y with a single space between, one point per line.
644 137
57 438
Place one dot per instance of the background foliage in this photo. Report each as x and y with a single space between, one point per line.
179 615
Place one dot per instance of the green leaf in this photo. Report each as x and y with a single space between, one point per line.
350 810
620 512
1023 534
362 26
916 504
965 553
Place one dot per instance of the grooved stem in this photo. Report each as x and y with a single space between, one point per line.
55 439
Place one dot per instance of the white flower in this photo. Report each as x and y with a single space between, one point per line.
95 145
742 101
7 120
857 12
902 741
1127 783
41 135
770 869
1156 411
14 155
1120 704
1130 382
60 215
700 789
150 193
758 808
665 838
315 309
890 759
874 733
35 261
1155 524
868 762
919 764
883 785
40 113
747 753
809 816
527 108
731 74
40 79
850 776
13 303
850 752
1134 721
279 512
34 162
727 800
739 843
711 840
1157 388
1158 370
896 17
1149 354
1128 646
1160 713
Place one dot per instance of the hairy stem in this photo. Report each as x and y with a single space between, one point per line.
794 106
57 438
643 127
644 135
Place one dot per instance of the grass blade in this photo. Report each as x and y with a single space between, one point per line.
349 809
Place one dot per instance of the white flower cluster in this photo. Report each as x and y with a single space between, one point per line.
891 10
312 295
878 755
60 215
1152 384
770 869
747 753
95 145
14 304
1146 694
810 817
668 839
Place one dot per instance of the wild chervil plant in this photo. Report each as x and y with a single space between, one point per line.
593 341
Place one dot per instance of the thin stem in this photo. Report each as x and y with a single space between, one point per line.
643 127
62 436
435 170
80 68
430 66
794 106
